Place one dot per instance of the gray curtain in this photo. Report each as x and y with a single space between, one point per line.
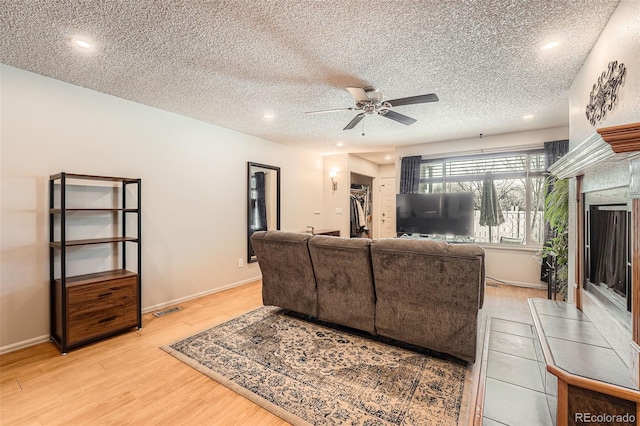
410 174
258 209
258 212
553 151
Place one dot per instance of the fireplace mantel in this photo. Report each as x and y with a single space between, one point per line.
605 146
625 138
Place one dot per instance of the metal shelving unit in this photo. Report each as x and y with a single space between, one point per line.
91 307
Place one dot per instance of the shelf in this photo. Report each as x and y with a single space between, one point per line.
58 211
91 177
91 307
97 277
58 244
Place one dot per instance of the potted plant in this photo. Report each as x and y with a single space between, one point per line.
556 213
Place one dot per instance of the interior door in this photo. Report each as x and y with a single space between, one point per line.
387 207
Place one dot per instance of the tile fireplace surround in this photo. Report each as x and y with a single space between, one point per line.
610 158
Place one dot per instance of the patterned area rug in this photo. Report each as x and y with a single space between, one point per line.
306 373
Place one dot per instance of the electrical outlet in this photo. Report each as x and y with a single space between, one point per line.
338 210
240 263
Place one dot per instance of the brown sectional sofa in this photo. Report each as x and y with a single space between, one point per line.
415 291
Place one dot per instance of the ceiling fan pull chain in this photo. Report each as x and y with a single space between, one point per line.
362 127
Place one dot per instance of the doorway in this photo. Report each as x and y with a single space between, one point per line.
361 206
387 207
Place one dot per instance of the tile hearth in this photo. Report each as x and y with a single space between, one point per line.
514 391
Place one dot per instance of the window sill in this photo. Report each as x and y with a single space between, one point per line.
510 247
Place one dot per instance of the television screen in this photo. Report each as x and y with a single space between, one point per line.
445 213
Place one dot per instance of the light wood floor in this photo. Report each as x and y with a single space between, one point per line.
129 380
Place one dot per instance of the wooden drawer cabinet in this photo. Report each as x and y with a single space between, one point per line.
92 325
82 299
97 305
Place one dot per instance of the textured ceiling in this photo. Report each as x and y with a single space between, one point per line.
229 62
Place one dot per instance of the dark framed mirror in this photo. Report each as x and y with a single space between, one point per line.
263 208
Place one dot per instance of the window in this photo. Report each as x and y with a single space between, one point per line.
519 183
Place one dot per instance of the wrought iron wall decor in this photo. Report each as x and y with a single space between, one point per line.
604 95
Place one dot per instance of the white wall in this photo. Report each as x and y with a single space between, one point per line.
517 266
363 167
619 41
387 170
336 203
193 181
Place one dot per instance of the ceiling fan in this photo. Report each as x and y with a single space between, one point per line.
369 100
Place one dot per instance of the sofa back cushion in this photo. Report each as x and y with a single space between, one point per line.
287 274
344 278
428 293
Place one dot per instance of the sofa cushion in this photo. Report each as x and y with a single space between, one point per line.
287 274
344 280
428 293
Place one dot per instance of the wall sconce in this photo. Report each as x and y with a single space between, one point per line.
334 182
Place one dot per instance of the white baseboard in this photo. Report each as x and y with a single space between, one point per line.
45 338
517 283
197 295
23 344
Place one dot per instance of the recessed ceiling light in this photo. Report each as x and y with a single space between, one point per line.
550 45
528 117
387 157
269 116
340 144
82 43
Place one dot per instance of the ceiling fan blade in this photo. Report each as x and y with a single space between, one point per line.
359 94
330 110
431 97
400 118
353 123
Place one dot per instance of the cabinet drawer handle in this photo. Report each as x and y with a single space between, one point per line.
107 319
100 296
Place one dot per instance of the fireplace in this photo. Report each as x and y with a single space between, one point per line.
607 251
604 247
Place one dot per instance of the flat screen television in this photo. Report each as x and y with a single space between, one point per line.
444 213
